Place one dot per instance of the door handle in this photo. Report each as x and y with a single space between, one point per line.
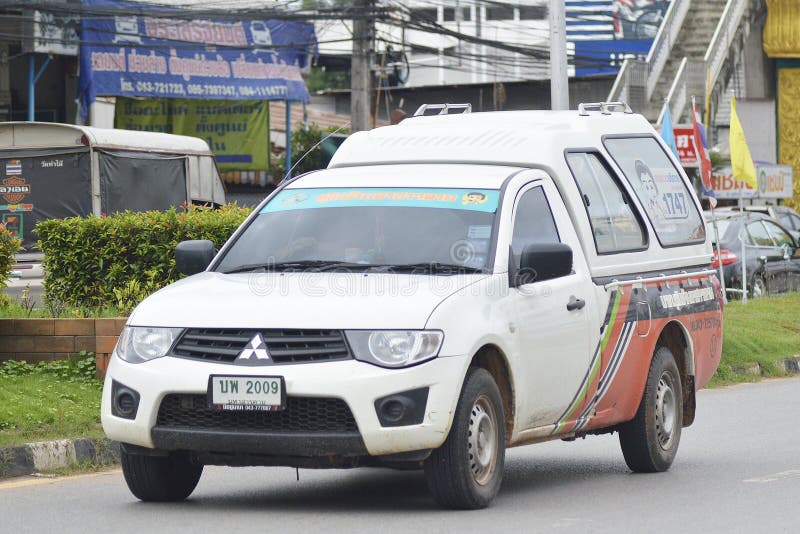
575 303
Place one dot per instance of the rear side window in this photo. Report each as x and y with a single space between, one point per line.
661 190
614 224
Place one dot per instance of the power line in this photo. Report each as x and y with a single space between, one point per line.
391 13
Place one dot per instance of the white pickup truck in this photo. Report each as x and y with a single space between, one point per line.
449 287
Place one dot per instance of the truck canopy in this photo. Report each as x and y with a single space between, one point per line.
52 170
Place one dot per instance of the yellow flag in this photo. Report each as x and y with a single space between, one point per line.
741 162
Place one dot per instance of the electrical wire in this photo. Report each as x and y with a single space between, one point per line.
496 56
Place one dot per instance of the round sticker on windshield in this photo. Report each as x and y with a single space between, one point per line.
297 198
474 197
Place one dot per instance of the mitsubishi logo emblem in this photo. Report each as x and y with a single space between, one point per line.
255 350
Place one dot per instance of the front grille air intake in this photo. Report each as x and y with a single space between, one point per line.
283 346
302 414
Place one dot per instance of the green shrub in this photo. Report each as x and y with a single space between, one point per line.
97 261
9 246
77 367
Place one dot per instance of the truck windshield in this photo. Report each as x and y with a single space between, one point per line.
435 230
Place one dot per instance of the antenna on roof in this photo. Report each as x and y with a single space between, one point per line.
296 163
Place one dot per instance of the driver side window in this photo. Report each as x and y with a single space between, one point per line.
760 235
533 222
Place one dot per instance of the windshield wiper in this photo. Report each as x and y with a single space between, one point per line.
328 265
319 265
433 267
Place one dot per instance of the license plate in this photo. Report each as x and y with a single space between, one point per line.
246 393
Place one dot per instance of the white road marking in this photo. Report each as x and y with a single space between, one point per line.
23 482
791 473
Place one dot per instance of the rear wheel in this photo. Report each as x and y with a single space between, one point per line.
466 471
160 478
650 441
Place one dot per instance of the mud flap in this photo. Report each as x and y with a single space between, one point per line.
689 401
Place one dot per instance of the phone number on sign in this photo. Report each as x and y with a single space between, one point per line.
211 90
160 88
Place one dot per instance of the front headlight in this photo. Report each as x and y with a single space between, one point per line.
139 344
395 348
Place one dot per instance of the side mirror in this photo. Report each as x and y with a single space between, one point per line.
192 257
542 261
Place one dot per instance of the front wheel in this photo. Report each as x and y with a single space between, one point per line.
466 471
160 478
650 441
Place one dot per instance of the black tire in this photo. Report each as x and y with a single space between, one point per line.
160 478
650 441
457 475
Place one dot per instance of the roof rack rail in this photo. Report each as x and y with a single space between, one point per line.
603 107
442 109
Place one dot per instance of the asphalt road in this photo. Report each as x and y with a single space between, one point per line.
16 286
737 470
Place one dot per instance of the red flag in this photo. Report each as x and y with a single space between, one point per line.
702 159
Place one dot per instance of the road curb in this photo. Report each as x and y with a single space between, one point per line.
751 369
792 364
48 455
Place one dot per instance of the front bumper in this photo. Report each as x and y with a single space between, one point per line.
358 384
282 444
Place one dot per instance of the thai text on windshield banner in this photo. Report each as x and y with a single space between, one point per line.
459 199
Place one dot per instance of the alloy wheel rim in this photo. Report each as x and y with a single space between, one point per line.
666 411
482 440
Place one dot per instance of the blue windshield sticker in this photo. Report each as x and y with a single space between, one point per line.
485 200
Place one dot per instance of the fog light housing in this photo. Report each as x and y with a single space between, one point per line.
124 401
402 409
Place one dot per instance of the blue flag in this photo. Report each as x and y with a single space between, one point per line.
667 133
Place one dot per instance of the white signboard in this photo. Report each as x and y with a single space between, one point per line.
774 181
48 33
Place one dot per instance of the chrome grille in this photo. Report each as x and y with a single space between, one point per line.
284 346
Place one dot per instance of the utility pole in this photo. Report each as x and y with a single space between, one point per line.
360 71
559 82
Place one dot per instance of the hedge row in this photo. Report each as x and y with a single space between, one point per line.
9 246
120 259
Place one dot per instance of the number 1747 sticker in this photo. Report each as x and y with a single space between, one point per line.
675 205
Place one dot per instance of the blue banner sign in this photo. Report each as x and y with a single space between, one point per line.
606 32
151 55
485 200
